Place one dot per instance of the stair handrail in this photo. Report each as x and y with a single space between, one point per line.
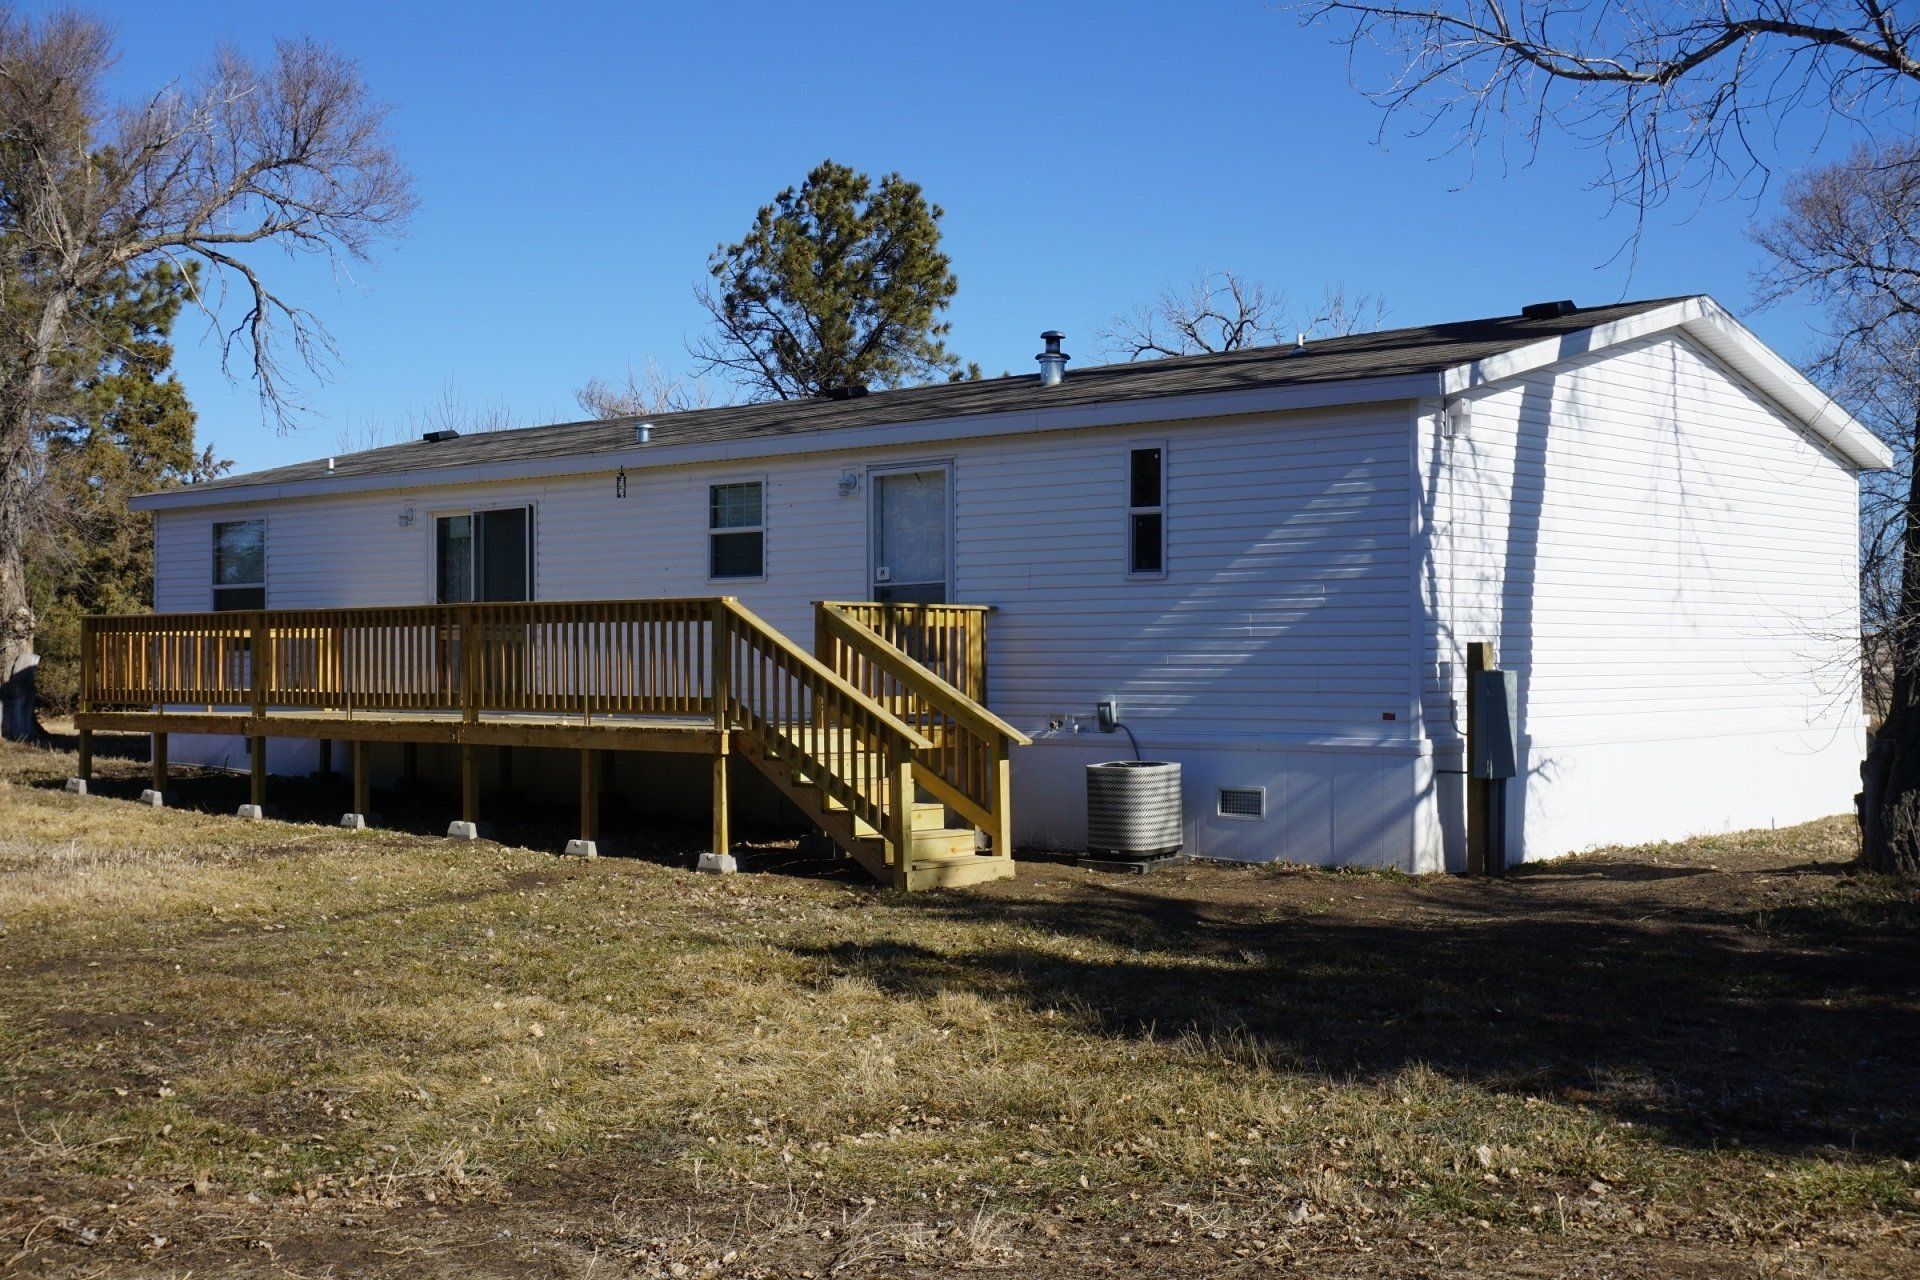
800 725
968 770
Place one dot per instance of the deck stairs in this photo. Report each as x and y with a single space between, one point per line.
943 852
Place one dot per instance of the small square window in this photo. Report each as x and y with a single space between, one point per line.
736 530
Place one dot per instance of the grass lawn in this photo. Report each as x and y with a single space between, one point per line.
277 1047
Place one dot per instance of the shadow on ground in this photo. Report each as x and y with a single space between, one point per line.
1699 1019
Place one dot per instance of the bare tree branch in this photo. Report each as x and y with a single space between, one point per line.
1225 311
292 154
1673 94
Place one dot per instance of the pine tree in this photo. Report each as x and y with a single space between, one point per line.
121 426
837 286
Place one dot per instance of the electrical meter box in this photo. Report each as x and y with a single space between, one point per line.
1494 739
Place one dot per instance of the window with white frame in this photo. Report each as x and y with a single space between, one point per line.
239 565
737 530
483 555
1147 512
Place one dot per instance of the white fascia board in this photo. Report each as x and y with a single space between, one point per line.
1709 324
1112 413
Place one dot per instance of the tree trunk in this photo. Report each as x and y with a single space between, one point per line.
22 397
17 724
1890 777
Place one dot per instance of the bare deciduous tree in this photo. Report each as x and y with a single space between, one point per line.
649 390
1849 237
291 154
452 411
1669 92
1226 311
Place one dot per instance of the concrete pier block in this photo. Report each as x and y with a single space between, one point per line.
154 798
250 813
354 821
76 786
583 849
720 864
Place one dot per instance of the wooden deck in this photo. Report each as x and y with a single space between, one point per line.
880 735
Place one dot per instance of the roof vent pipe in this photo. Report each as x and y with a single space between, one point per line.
1053 361
643 433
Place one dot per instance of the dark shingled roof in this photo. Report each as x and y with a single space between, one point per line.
1388 353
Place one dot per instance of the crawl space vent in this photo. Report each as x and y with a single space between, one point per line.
1243 802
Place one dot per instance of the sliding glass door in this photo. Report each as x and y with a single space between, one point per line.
484 555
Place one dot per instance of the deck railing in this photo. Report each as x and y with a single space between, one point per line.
702 659
965 762
577 658
950 640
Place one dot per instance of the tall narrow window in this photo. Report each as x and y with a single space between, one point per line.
240 565
736 530
483 555
1146 513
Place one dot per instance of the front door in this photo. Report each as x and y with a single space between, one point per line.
910 527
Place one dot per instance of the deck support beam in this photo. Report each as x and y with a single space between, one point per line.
720 859
256 806
356 819
83 771
587 846
156 792
467 826
1000 801
899 832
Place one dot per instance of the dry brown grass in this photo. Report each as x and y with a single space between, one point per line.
282 1045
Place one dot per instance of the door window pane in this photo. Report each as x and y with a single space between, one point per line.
453 559
910 534
500 554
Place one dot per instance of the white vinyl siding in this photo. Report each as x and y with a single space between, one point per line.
1284 610
1654 544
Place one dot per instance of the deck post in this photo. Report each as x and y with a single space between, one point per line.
410 761
467 826
469 782
83 771
469 666
256 806
720 859
900 816
1000 799
587 846
505 783
156 792
83 778
362 789
326 757
722 669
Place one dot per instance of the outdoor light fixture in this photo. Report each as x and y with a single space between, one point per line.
406 516
620 484
849 483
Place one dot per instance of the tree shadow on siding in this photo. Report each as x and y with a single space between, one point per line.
1694 1020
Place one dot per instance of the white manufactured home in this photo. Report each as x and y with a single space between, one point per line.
1273 561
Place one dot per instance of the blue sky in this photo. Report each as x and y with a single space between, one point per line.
575 168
